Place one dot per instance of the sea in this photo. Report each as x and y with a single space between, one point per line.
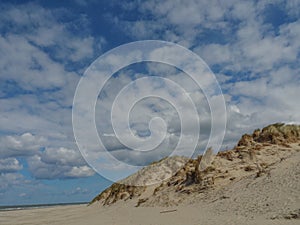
37 206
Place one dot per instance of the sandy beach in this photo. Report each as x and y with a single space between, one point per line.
271 199
120 214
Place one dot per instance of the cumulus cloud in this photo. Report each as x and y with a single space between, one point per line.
44 162
62 156
123 145
24 145
254 57
38 52
47 166
41 56
10 165
82 171
50 28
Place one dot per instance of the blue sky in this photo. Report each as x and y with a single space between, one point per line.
252 47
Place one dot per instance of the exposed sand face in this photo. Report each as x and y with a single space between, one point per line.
254 157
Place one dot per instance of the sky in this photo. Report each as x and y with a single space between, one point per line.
252 48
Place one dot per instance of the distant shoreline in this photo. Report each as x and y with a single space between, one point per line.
37 206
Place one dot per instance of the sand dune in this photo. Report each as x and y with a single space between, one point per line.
257 182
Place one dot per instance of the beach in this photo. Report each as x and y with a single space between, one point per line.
120 214
267 200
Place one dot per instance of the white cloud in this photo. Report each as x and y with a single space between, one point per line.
215 53
24 145
292 7
251 44
143 111
36 47
56 168
256 64
51 163
28 66
179 21
8 180
62 156
82 171
10 165
48 28
259 63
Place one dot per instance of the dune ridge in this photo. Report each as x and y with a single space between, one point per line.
236 180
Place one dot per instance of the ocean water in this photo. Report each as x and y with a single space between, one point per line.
37 206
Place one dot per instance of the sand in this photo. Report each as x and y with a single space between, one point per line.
270 199
122 215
